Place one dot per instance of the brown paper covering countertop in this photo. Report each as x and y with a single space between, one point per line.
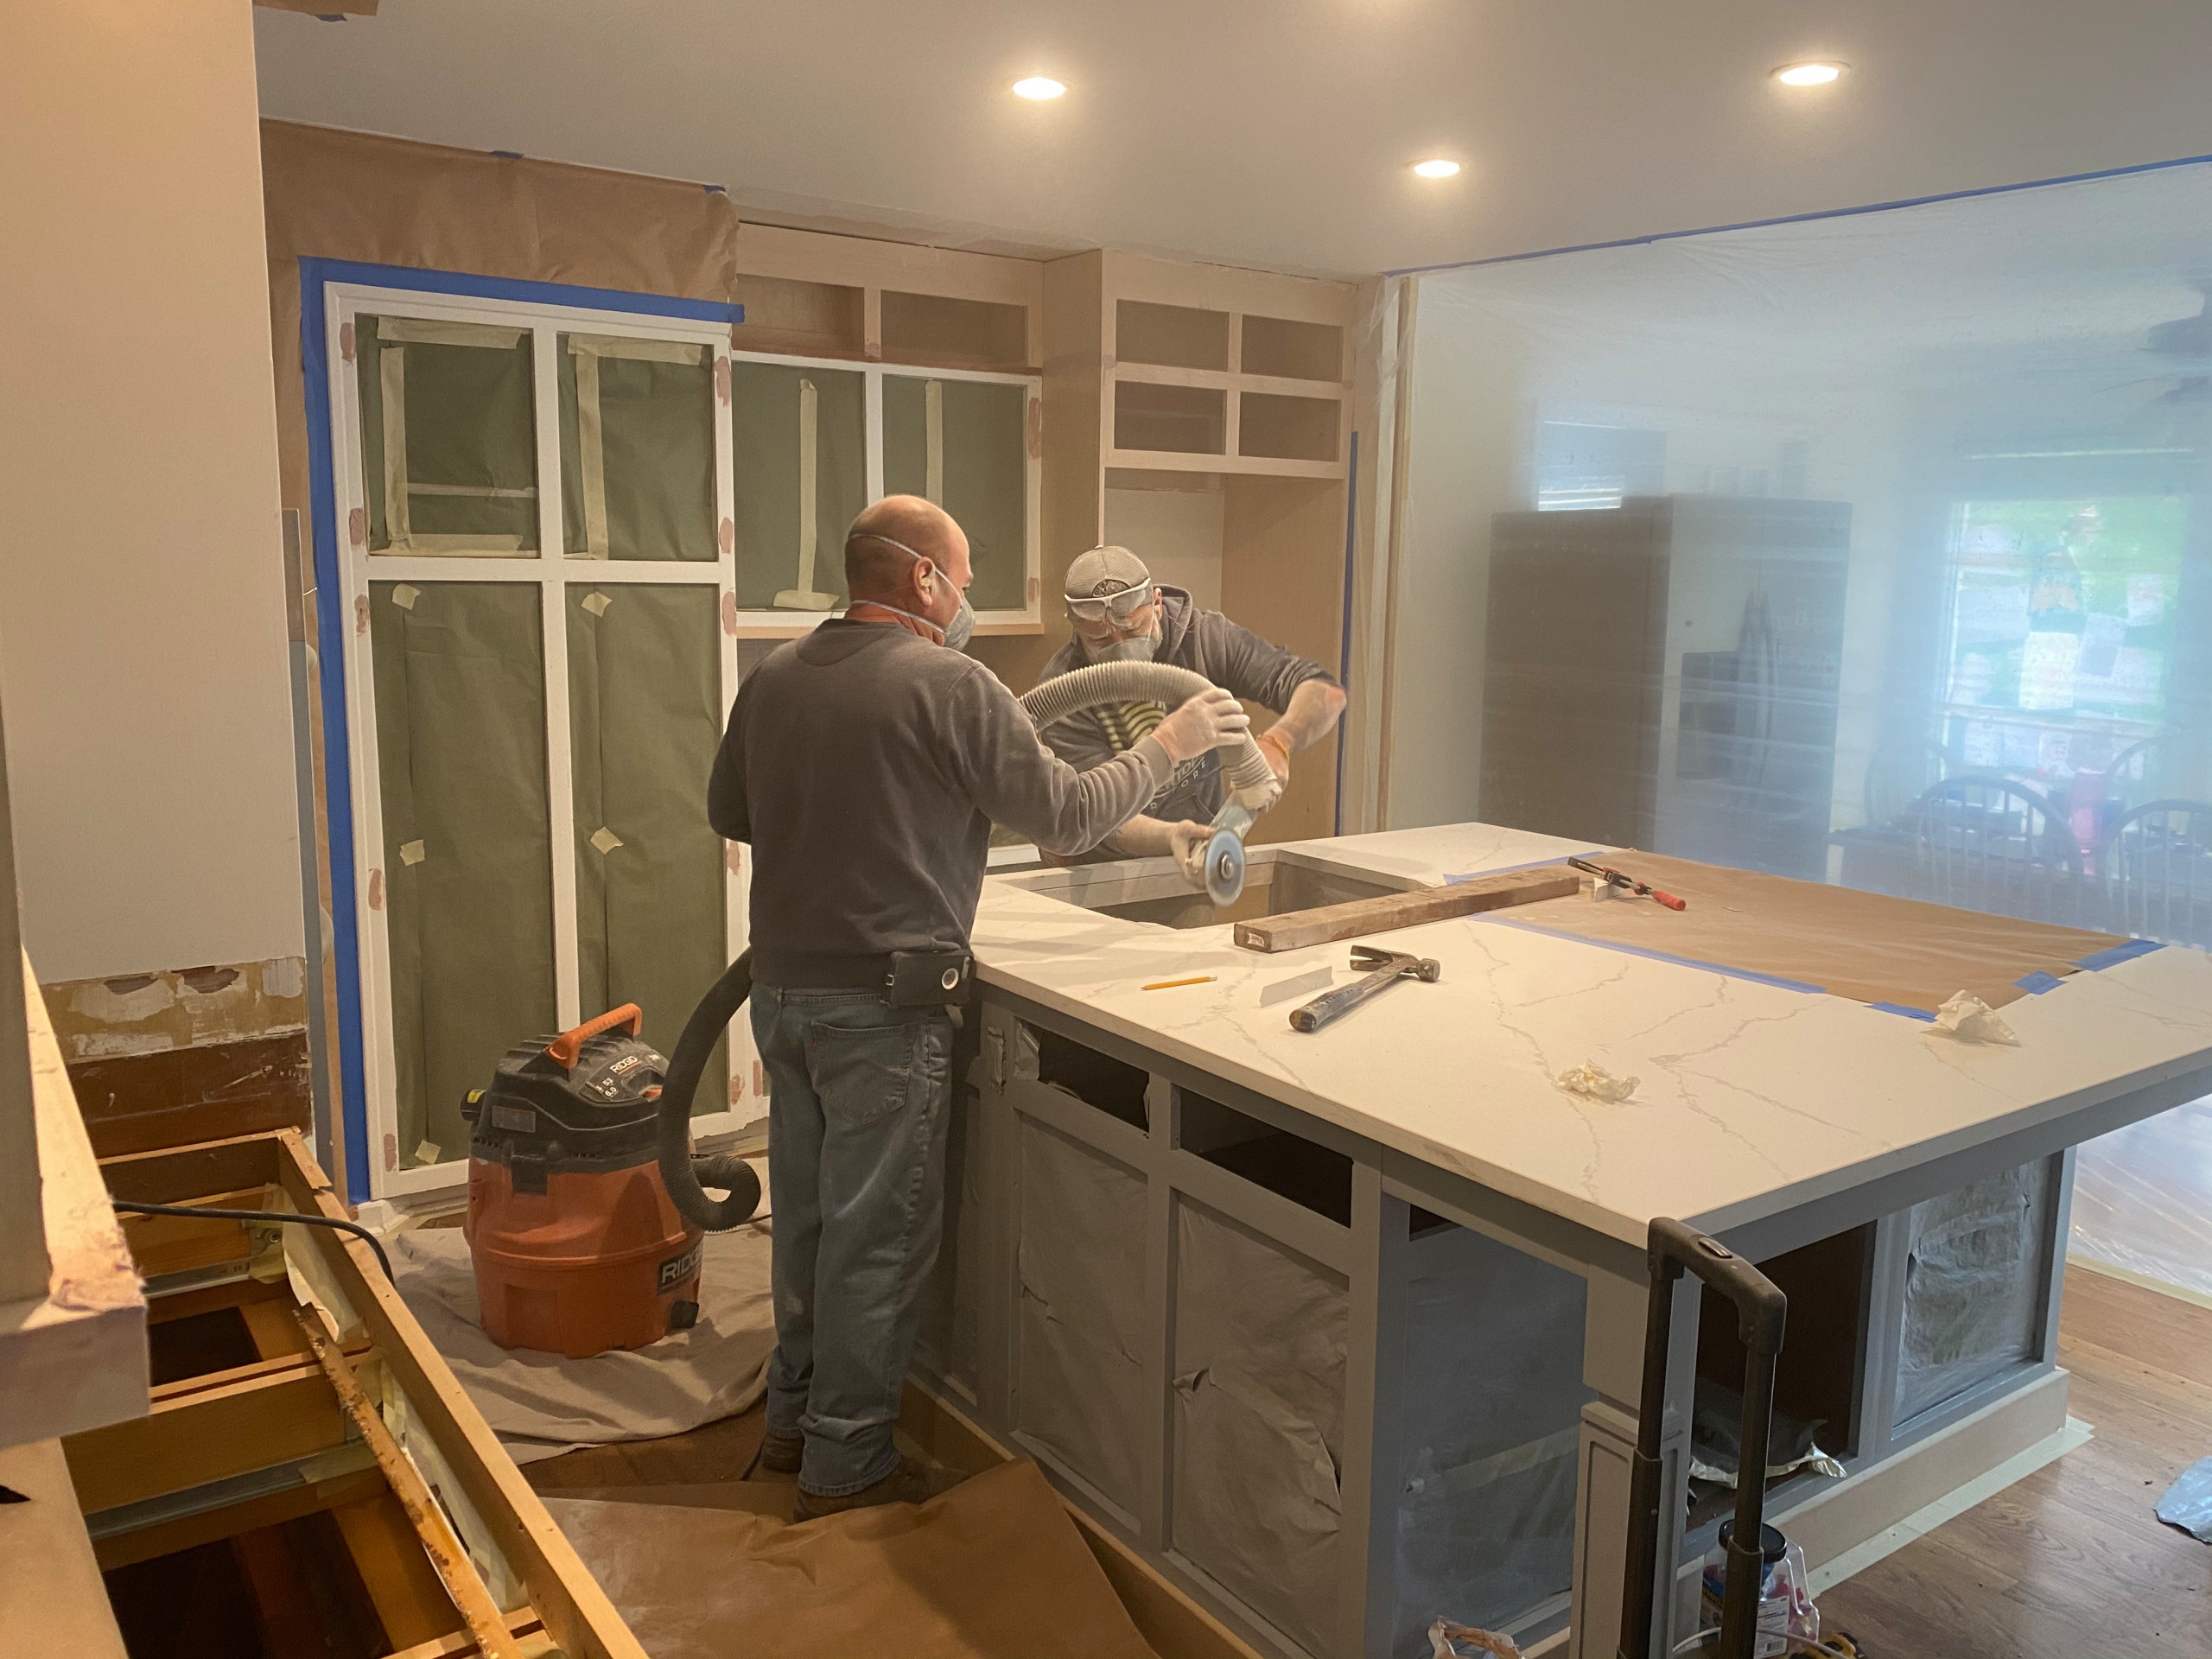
994 1569
1866 946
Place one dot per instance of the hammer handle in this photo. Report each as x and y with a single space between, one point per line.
1333 1005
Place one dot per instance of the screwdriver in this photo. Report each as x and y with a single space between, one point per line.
1641 889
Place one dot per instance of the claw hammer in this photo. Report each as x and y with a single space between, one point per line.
1385 969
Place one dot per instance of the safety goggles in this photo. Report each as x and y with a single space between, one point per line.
1119 606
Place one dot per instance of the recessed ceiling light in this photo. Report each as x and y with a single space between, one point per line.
1808 75
1039 87
1436 169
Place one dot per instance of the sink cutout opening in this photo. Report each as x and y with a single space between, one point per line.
1115 1087
1271 887
1289 1166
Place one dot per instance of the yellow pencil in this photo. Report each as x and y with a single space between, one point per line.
1170 984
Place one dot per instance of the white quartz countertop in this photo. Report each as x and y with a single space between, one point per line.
1752 1099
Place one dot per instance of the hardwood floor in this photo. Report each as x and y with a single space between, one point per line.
2143 1200
2070 1563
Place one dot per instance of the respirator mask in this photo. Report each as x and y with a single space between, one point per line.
957 632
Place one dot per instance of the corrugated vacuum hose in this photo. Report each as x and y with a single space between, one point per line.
1251 781
685 1176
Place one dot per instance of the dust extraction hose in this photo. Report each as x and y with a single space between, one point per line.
1244 766
685 1176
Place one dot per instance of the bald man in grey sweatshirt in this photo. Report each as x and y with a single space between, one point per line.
865 766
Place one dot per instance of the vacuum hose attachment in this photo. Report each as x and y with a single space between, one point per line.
685 1176
1245 767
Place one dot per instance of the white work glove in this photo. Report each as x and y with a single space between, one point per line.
1186 842
1212 720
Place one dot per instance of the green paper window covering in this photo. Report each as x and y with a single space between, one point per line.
637 449
645 706
767 405
448 437
969 455
467 893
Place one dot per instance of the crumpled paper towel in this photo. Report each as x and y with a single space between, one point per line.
1593 1080
1969 1019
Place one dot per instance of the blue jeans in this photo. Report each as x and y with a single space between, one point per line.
858 1095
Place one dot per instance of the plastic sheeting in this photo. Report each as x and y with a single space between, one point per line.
1259 1379
1079 1392
637 449
645 682
972 448
1491 1419
467 893
1870 549
2143 1200
1975 1285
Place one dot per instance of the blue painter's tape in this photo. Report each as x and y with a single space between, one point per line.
2119 954
1908 1012
413 280
2038 983
332 619
1502 919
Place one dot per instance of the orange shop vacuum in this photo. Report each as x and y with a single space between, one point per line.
580 1241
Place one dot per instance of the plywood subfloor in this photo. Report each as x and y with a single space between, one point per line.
2070 1563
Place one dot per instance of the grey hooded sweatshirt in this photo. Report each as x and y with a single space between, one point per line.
1233 657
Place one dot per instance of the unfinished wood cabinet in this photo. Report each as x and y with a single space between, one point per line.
1201 416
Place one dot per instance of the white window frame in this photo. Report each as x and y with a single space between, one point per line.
1029 619
552 572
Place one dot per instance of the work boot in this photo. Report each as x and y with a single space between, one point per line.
910 1483
781 1455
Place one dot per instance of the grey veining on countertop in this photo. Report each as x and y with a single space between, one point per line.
1752 1099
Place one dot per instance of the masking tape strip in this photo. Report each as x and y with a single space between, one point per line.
809 406
1910 1013
933 440
591 456
494 492
634 351
391 373
442 544
424 330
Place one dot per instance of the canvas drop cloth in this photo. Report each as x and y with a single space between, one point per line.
994 1569
540 1404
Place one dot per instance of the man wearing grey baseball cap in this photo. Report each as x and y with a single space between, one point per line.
1119 614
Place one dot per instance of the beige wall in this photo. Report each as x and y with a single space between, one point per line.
141 629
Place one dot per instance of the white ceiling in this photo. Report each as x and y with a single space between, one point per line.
1275 132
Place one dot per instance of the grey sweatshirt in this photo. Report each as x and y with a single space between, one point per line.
1232 657
865 767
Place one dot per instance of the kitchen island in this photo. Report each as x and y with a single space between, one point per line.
1343 1331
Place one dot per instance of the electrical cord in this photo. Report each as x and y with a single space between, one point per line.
353 1227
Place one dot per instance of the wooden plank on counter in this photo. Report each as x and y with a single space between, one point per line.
1361 916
